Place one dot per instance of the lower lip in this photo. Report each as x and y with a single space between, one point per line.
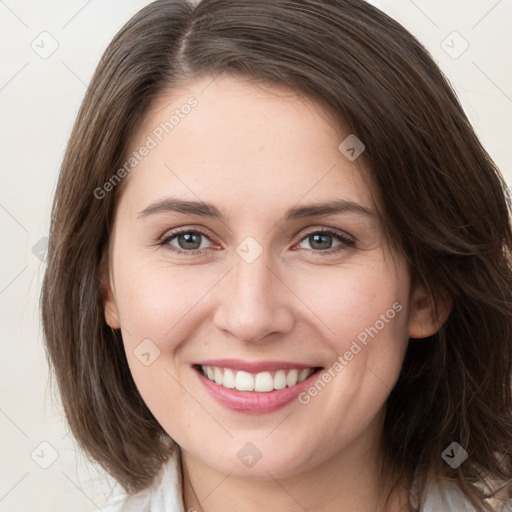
253 402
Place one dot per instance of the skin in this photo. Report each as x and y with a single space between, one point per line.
255 153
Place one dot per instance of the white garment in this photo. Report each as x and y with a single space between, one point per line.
165 495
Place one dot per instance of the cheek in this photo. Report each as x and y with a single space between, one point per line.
159 307
156 300
354 302
363 313
367 317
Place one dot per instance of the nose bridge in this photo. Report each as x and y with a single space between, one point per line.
253 305
253 281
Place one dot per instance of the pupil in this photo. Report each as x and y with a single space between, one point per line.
316 239
189 241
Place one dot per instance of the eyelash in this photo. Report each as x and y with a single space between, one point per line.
344 239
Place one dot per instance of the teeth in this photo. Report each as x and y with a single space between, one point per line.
291 378
261 382
229 379
244 381
280 379
303 375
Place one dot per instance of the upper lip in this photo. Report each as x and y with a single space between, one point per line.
254 366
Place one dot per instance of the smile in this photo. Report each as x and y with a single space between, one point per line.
262 382
254 388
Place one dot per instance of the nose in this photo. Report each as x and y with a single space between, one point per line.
253 301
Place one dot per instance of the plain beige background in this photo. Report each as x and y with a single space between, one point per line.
48 52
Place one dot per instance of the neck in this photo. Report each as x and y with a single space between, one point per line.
350 479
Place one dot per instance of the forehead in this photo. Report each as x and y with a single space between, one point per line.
236 141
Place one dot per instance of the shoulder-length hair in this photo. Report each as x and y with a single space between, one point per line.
444 208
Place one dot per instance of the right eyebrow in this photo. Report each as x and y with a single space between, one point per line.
182 206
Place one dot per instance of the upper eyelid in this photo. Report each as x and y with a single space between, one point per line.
326 229
178 231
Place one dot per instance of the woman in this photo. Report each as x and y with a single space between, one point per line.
279 269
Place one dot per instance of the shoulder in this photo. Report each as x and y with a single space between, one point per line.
447 496
164 495
137 503
444 495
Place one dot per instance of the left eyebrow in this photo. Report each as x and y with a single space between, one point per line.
298 212
327 208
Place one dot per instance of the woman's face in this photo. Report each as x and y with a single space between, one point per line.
251 178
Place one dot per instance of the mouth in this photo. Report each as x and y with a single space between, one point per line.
268 387
261 382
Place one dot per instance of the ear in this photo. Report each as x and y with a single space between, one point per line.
427 314
107 294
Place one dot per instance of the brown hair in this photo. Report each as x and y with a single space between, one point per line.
444 208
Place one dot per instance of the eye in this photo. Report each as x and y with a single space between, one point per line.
194 241
321 241
186 241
